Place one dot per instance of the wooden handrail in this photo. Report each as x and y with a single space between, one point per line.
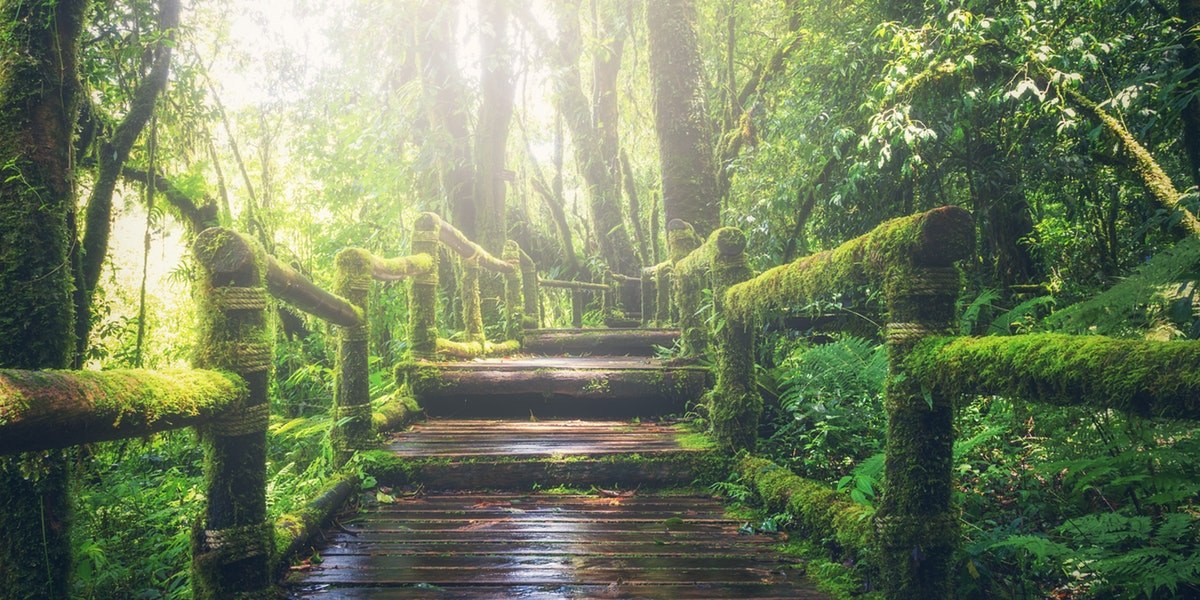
455 240
573 285
40 410
289 285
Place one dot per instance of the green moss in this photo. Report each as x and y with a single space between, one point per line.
478 349
1147 378
394 412
472 312
880 258
817 510
514 300
423 293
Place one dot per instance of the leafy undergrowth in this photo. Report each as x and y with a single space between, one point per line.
1060 503
136 502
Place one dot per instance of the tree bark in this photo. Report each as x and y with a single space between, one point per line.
114 152
445 96
1189 13
689 173
39 99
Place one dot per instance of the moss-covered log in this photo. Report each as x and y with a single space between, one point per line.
55 409
423 295
394 412
619 342
476 349
295 531
352 396
1146 378
817 510
935 238
694 273
232 542
465 248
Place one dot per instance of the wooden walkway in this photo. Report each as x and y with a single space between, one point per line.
474 528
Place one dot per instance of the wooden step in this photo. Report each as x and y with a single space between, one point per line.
611 342
447 454
548 546
550 387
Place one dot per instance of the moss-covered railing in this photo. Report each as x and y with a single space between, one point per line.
520 282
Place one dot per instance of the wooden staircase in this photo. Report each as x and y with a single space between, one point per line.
541 506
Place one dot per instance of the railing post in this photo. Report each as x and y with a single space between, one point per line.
736 404
514 303
352 396
648 296
663 285
530 292
232 542
681 241
422 297
576 308
916 523
472 310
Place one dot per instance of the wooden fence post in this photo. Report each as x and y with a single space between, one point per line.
514 302
352 396
232 542
917 527
472 310
736 404
576 308
530 292
663 285
423 295
649 295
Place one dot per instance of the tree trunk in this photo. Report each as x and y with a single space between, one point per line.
681 116
446 96
114 152
39 95
600 172
1189 13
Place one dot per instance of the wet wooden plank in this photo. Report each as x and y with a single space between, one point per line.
559 537
526 575
548 548
558 592
580 563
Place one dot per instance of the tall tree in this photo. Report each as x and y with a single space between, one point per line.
685 146
39 95
114 152
495 118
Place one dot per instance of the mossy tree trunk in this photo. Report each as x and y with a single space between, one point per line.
689 173
232 541
39 93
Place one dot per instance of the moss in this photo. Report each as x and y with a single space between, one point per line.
479 349
394 412
817 510
423 293
472 312
514 300
353 428
664 284
1147 378
880 258
681 239
133 398
530 292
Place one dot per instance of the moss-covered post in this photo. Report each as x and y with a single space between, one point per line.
649 295
471 310
530 292
664 283
681 241
514 302
736 405
576 308
231 543
351 394
423 295
917 528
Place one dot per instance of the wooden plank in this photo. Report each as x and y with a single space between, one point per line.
558 592
569 537
528 575
595 548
